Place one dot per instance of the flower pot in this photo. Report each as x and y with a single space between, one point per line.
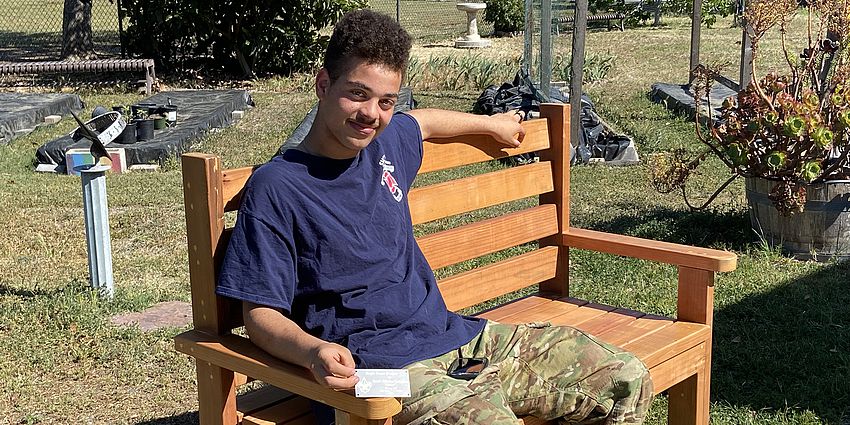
158 122
127 136
169 112
821 232
144 129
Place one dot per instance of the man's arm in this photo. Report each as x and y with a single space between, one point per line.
332 364
504 127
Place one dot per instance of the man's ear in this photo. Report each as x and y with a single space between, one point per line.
323 82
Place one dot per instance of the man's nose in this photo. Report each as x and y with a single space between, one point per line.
369 111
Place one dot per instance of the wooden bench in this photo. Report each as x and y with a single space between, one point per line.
677 350
83 66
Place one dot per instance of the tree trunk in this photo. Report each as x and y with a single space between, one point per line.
76 30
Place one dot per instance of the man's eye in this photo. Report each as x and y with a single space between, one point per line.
359 93
387 103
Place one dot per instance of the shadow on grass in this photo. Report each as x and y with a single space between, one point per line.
188 418
789 347
728 229
27 293
40 46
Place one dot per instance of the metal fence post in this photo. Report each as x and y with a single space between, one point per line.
528 34
577 72
96 214
546 48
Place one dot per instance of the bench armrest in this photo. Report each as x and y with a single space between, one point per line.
238 354
664 252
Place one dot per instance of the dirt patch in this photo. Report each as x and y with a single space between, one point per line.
170 314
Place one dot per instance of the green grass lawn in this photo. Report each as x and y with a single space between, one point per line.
782 328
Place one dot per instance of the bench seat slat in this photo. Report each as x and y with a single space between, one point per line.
487 236
629 332
500 313
608 321
484 283
471 193
260 399
440 154
291 411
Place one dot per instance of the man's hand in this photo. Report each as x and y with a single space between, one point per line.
506 127
333 366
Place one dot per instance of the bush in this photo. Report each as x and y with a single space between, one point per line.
710 9
247 37
507 16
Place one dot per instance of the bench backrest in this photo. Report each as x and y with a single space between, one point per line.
210 191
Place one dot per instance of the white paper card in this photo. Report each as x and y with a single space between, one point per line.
382 383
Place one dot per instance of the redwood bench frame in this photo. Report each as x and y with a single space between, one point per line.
677 351
83 66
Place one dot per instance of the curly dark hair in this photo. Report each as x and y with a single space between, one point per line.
368 36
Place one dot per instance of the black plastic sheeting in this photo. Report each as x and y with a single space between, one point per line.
198 111
405 102
21 111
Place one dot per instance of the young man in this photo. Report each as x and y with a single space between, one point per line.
324 259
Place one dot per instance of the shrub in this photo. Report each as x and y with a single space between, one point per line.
248 37
710 9
507 16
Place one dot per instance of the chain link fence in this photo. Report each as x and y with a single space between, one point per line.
32 29
430 20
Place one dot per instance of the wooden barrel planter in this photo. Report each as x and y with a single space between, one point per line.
821 232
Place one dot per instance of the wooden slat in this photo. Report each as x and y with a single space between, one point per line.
498 314
286 412
471 193
239 354
487 236
576 317
233 181
439 154
629 332
613 319
659 346
663 252
475 286
545 312
676 369
261 398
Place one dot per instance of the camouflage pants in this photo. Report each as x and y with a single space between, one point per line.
536 369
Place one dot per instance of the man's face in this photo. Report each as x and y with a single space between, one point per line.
355 108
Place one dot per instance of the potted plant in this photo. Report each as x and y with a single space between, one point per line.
787 134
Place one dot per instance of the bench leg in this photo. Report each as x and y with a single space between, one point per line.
150 76
216 395
689 399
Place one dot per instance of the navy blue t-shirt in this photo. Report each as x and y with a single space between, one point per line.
330 242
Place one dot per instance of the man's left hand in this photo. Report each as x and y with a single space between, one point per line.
506 128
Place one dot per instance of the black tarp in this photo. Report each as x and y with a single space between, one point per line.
198 111
21 111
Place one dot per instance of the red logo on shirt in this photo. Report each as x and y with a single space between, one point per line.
388 180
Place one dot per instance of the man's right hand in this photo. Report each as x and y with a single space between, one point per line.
333 366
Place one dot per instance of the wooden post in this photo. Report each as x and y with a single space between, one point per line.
558 153
216 394
689 399
696 24
746 75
